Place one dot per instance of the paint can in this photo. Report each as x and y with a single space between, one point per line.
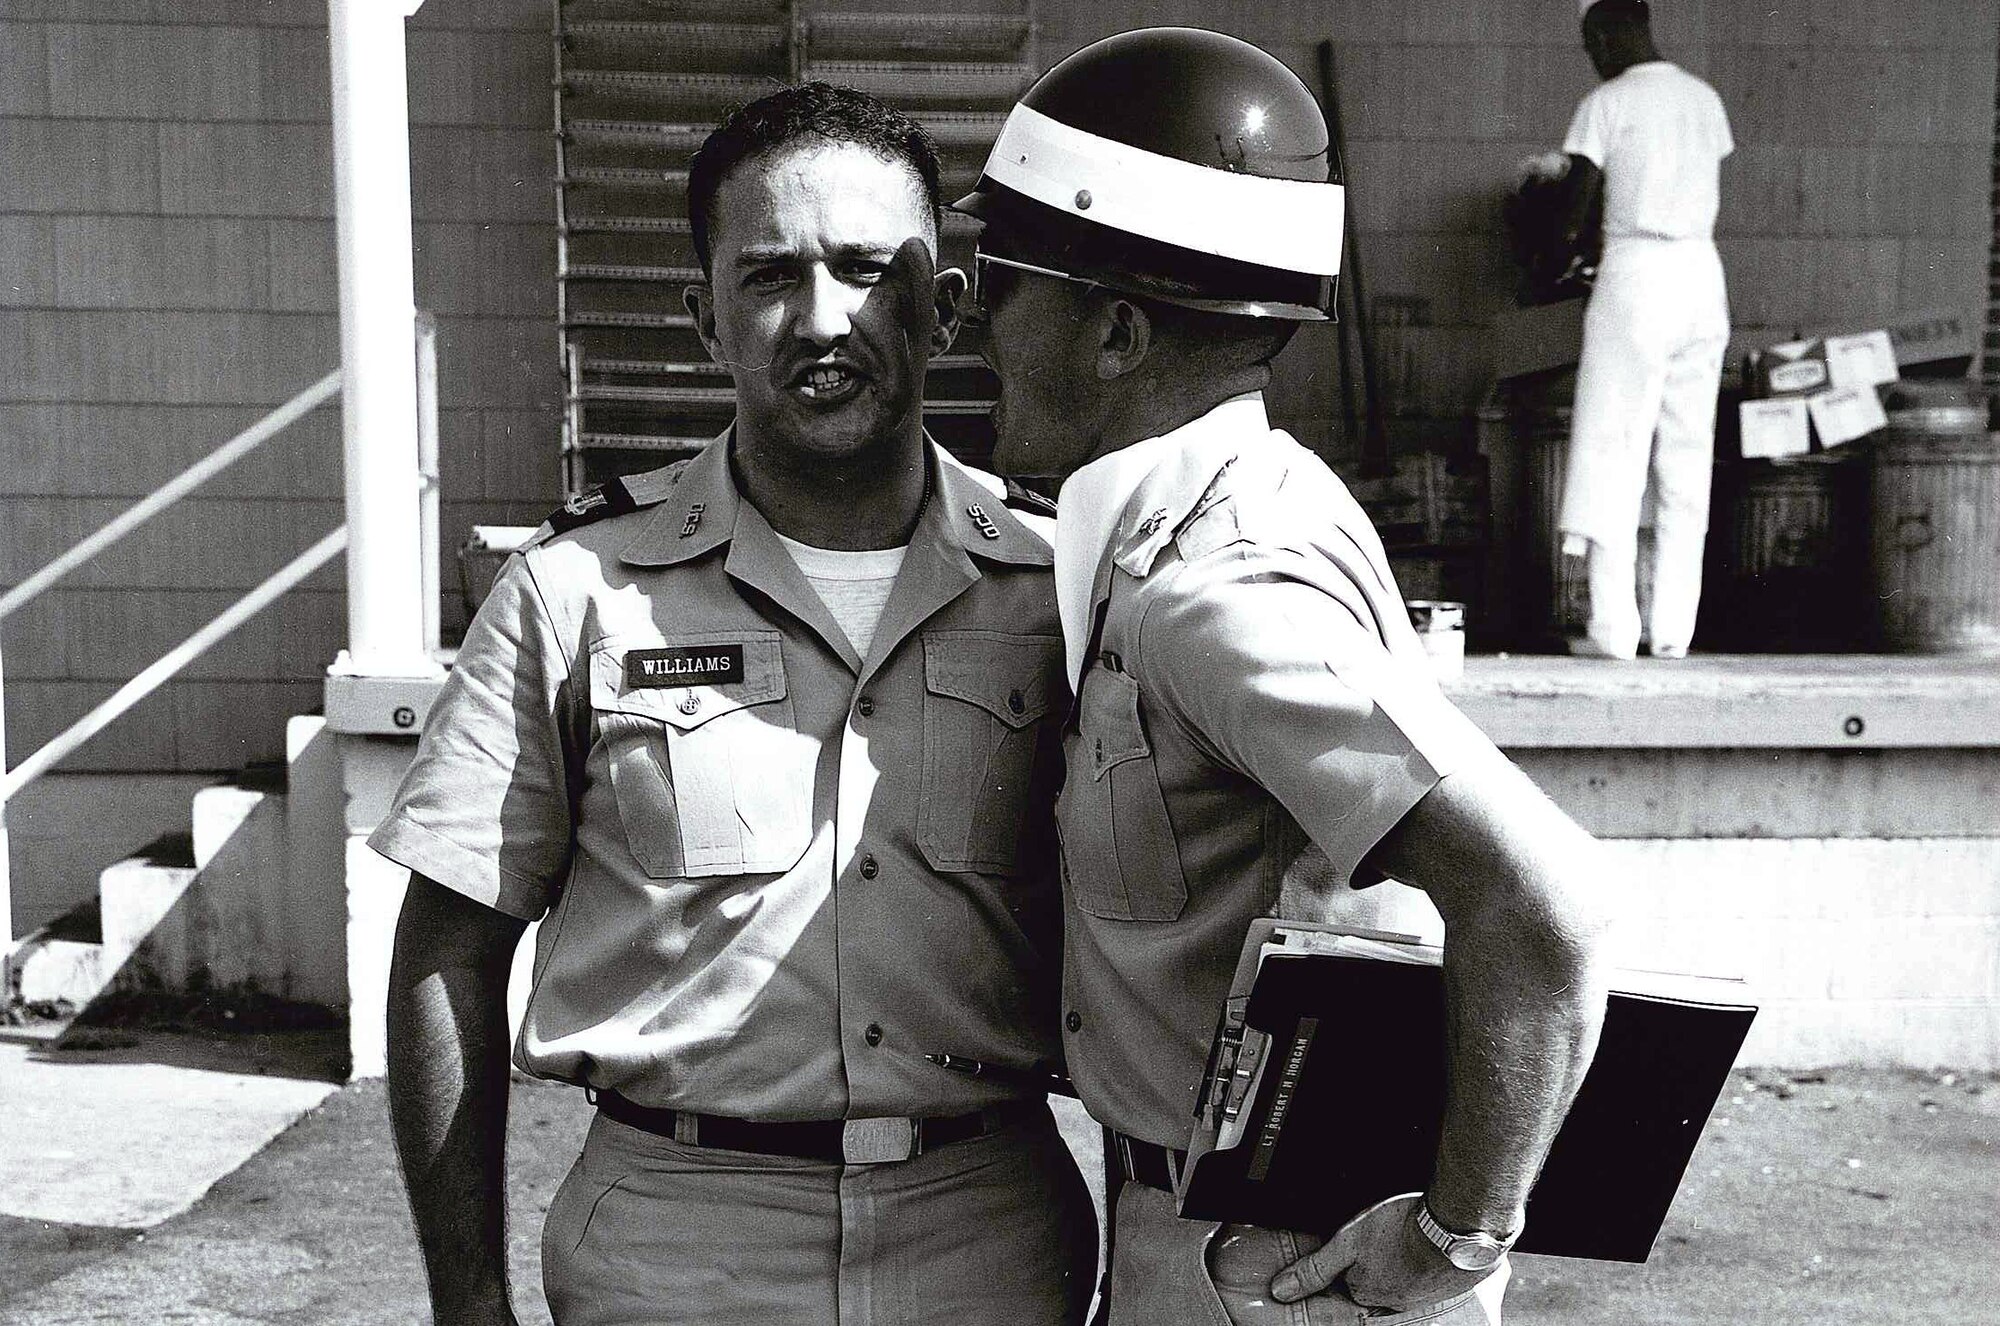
1440 624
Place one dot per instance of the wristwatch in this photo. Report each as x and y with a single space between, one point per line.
1477 1251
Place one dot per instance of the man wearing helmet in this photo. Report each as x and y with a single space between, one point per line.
1159 220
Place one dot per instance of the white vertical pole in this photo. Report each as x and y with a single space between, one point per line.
6 860
371 168
427 470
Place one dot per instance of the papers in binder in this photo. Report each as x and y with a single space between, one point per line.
1326 1085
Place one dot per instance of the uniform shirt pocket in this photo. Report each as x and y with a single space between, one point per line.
1120 858
711 773
985 692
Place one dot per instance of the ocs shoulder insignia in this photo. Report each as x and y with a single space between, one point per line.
592 505
615 497
1020 497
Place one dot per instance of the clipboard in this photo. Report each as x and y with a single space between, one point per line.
1325 1092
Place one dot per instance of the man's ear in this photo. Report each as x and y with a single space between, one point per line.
1124 337
699 301
948 290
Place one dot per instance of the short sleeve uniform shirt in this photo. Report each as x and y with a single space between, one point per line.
1252 682
772 875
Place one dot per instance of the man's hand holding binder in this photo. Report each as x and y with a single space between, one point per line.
1379 1259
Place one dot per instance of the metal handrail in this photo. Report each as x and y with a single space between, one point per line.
137 689
128 695
172 491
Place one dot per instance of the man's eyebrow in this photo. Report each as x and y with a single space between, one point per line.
759 256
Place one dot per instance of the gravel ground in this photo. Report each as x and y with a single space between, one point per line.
1842 1196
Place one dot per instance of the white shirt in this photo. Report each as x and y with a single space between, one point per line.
1659 134
854 585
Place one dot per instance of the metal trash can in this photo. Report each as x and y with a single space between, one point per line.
1793 572
1936 531
1558 593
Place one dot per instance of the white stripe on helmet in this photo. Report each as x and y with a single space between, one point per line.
1293 225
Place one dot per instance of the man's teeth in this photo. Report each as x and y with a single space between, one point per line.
826 379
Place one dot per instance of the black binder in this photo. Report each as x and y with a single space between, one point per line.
1325 1093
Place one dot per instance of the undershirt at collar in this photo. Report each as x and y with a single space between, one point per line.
854 585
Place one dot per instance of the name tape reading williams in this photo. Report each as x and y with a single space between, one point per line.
699 665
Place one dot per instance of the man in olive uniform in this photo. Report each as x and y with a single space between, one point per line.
1159 219
766 740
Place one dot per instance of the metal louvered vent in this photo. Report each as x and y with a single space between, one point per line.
639 85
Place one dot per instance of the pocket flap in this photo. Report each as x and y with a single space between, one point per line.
687 679
1016 678
1108 721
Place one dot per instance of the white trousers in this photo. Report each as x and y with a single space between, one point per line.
1642 439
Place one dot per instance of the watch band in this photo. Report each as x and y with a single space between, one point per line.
1476 1251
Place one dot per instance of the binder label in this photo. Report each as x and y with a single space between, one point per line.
1289 1071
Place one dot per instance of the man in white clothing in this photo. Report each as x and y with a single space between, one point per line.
1651 139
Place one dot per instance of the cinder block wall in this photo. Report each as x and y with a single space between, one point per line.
167 275
1860 184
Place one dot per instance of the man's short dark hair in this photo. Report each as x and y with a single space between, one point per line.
1620 13
824 111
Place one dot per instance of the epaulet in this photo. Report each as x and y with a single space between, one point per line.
615 497
1022 498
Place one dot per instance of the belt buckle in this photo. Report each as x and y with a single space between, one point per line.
877 1141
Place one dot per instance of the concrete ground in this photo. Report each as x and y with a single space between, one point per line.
1846 1196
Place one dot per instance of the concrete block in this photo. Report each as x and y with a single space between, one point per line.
1961 1034
226 725
488 270
304 277
481 175
27 257
1940 273
491 16
218 814
199 358
161 263
1910 980
515 368
66 971
72 166
276 170
371 769
519 457
481 79
180 71
315 914
63 827
24 70
137 896
141 742
375 889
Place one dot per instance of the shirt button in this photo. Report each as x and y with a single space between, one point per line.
865 706
869 867
1016 703
1074 1021
873 1035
